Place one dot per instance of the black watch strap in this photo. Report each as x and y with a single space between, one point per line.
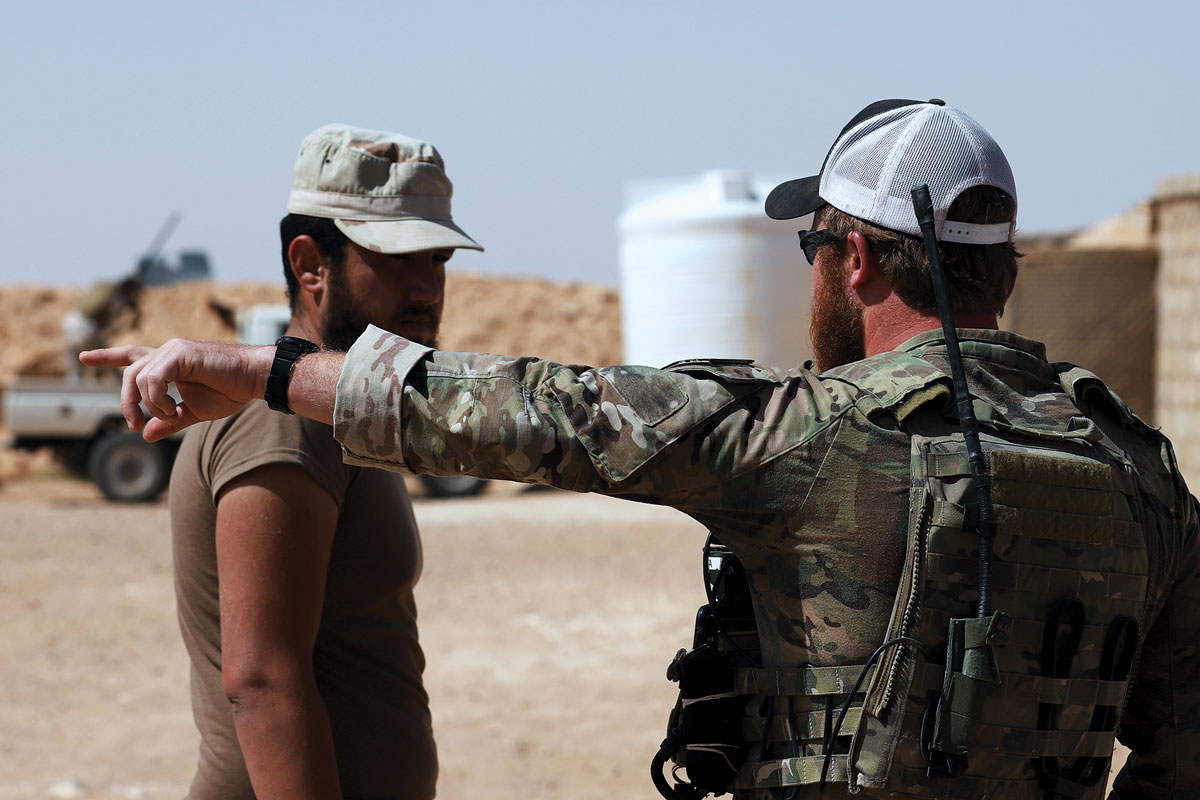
287 350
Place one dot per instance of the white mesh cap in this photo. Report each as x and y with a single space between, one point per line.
889 148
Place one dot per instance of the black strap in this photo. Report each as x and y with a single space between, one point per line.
1064 630
288 350
1116 662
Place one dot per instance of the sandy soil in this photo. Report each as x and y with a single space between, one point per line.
548 619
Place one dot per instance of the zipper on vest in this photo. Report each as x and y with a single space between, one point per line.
912 612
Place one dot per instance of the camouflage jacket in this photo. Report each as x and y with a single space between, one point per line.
804 477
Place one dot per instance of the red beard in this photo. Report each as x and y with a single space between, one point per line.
836 325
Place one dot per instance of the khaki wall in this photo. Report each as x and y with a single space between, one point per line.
1178 372
1095 308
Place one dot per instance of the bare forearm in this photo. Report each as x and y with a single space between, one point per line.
312 390
287 744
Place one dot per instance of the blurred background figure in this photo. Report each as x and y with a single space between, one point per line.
105 309
111 307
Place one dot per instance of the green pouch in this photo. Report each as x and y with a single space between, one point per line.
972 675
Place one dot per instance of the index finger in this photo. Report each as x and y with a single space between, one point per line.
121 356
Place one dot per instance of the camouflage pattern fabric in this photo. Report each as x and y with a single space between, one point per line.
1066 506
804 477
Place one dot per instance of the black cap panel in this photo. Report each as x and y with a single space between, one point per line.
799 197
794 198
874 110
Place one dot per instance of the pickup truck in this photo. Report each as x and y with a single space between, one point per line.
82 423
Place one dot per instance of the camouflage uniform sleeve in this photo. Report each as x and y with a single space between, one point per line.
365 410
405 407
1161 723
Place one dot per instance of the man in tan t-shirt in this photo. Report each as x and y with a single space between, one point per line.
294 572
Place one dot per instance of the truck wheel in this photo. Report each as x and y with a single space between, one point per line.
128 469
452 485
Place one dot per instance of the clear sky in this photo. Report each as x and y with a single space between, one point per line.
115 114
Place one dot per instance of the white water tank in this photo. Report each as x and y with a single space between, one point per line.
706 274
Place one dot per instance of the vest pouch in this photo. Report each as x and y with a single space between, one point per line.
710 715
971 678
704 733
704 730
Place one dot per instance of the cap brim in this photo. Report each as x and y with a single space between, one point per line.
408 235
794 198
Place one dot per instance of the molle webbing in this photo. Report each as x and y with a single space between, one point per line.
1041 580
1068 526
1029 498
965 787
1022 690
783 772
805 725
1028 634
1005 762
802 684
797 681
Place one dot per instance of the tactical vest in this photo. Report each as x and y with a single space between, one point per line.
1024 704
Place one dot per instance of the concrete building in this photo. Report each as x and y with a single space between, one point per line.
1176 223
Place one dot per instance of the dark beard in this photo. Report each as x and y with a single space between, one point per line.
836 325
344 319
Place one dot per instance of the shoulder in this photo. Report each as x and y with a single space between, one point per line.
258 437
824 397
253 429
1145 444
1086 388
895 382
735 370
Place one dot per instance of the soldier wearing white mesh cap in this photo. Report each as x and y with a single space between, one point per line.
865 186
876 626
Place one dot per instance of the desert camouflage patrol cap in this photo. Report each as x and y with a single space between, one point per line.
388 193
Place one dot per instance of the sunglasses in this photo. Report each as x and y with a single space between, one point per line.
811 240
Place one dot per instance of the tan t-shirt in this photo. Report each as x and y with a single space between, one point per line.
367 659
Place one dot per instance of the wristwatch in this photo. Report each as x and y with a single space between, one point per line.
288 350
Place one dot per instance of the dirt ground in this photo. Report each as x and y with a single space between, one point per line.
548 619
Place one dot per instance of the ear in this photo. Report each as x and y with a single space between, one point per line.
863 263
307 266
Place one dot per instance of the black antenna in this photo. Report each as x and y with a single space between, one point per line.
985 524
